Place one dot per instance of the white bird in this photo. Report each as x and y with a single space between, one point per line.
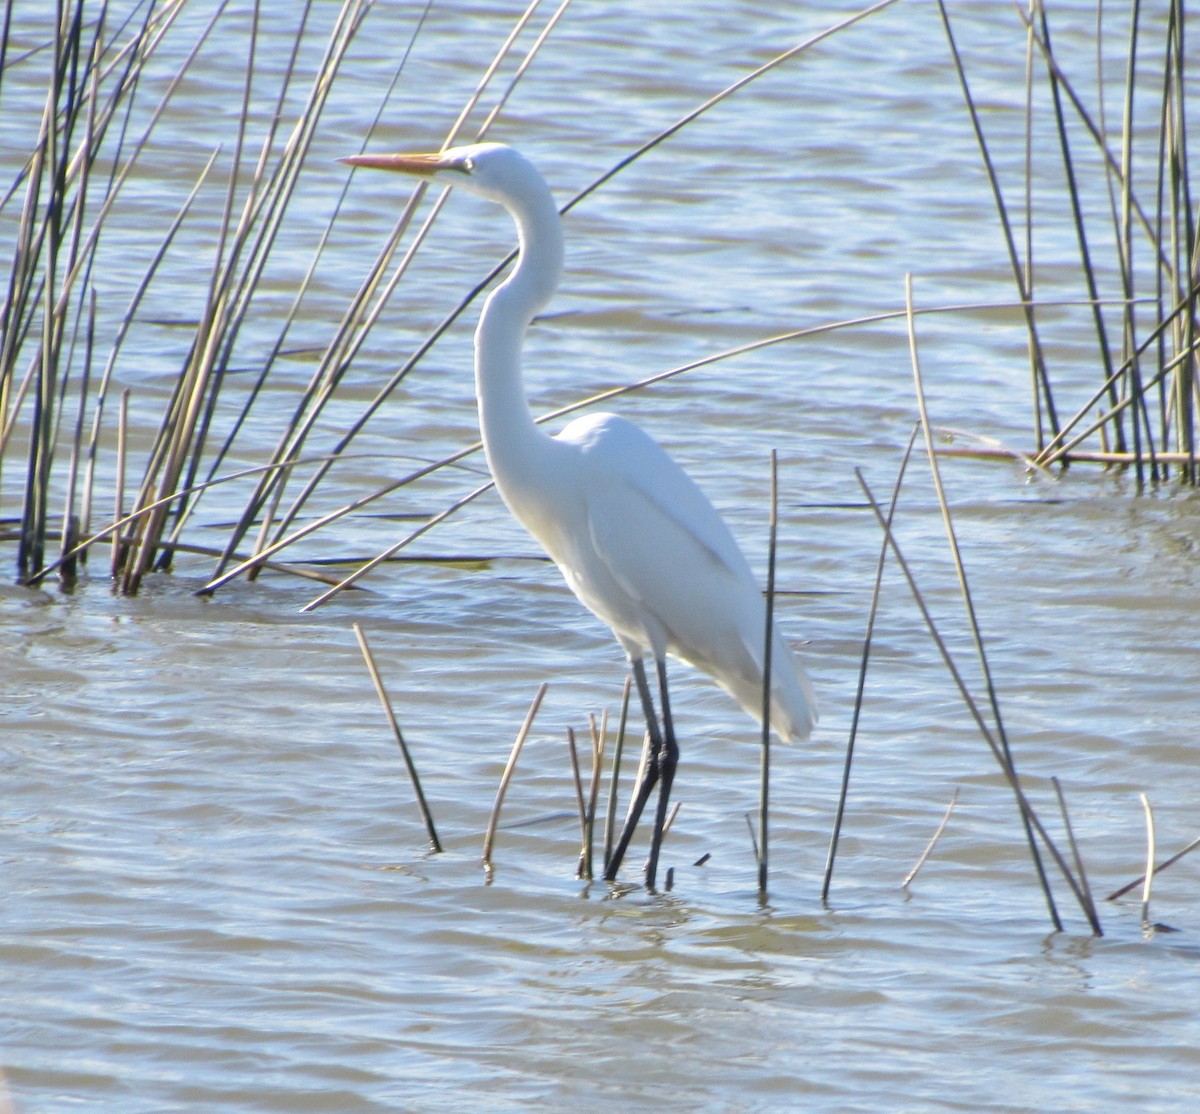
637 541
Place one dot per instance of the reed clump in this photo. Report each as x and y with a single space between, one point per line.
1119 105
114 78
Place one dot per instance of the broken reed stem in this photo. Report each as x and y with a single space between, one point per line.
968 603
490 836
381 691
932 842
610 819
1148 877
753 835
769 639
1161 867
835 835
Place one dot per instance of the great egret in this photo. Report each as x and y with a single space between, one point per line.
635 538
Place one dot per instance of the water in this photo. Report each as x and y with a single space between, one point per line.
217 892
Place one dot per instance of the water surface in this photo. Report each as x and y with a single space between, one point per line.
217 890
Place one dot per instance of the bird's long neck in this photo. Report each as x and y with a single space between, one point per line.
510 437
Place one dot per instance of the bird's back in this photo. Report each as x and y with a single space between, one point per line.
649 555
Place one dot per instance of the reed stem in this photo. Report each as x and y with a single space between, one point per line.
489 838
388 711
769 627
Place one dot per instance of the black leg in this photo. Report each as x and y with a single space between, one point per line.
650 771
668 759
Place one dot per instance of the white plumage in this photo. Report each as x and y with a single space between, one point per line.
637 541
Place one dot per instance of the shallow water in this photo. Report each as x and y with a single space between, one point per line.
217 893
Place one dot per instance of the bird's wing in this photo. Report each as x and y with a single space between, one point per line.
658 537
629 464
660 566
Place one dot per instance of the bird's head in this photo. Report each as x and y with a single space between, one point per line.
491 170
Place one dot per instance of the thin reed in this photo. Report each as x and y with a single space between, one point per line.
1127 195
762 843
116 80
398 735
489 838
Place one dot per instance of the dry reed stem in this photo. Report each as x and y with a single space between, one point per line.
385 700
239 256
753 836
119 509
1041 382
219 581
584 869
143 141
1052 454
392 550
725 94
71 520
266 205
932 841
356 326
65 210
1114 459
1077 214
598 736
1172 261
134 516
1023 803
1098 132
835 834
489 838
968 602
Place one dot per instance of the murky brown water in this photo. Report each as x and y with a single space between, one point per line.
216 893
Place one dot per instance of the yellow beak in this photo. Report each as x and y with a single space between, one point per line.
424 166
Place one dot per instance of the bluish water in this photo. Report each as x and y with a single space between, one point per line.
217 892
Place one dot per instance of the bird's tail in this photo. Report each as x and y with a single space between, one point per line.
740 673
793 703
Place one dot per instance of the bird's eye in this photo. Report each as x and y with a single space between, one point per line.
468 164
